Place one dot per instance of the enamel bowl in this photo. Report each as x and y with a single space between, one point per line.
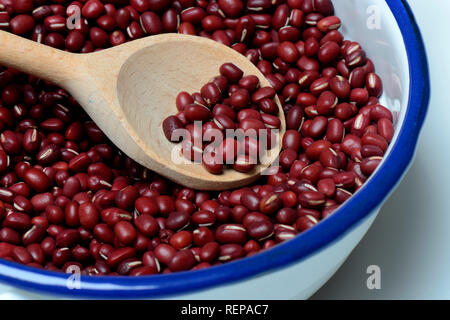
299 267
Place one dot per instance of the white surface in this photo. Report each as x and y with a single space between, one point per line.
410 238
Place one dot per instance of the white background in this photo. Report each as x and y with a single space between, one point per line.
410 239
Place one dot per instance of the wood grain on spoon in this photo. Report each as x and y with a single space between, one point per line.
130 89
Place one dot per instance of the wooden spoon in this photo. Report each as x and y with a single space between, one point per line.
130 89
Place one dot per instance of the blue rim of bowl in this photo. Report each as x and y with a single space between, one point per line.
295 250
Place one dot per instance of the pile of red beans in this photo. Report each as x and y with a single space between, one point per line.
70 198
228 118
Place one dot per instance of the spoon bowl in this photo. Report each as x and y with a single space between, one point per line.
130 89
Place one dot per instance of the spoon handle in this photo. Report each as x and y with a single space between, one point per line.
36 59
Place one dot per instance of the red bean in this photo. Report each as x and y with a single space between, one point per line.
10 236
240 98
371 151
268 106
184 205
385 129
231 8
125 198
99 37
245 28
89 215
369 165
21 255
318 127
231 233
80 162
151 23
147 225
378 112
181 240
376 140
305 222
335 131
48 154
326 186
254 124
344 111
329 23
125 232
106 22
193 15
270 204
182 260
328 52
67 238
357 78
120 255
271 121
248 114
54 214
202 235
71 214
41 201
292 140
374 85
4 161
37 180
260 230
17 221
209 252
203 218
229 252
231 72
122 18
294 118
224 122
330 159
146 205
10 142
244 163
286 216
92 9
164 253
21 24
287 158
36 253
263 93
22 204
288 52
103 233
177 220
221 109
195 112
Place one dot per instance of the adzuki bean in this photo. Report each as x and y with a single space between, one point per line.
70 197
197 107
